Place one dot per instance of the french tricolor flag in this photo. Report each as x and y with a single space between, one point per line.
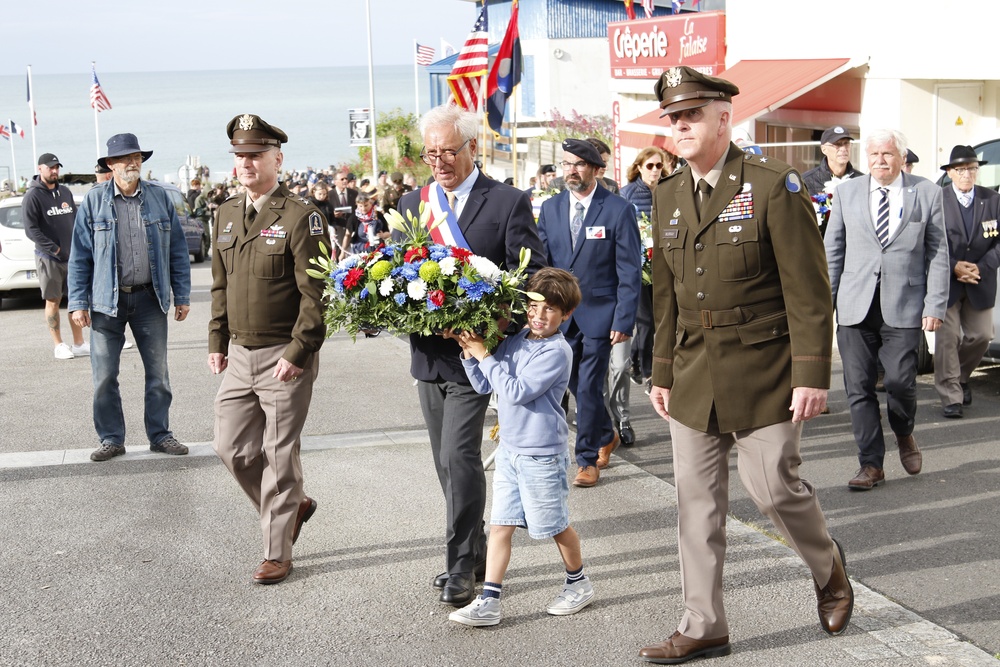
16 129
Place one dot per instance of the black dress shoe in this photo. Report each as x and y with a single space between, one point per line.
966 394
626 434
459 589
442 579
953 411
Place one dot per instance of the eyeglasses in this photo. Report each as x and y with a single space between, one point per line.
568 166
965 170
446 156
657 165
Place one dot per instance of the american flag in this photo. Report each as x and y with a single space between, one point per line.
16 129
425 55
647 6
98 99
466 77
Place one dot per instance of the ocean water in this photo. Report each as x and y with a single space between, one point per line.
182 114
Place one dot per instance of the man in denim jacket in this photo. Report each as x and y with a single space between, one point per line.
128 254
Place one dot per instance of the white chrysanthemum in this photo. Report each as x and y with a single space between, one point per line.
417 289
448 266
485 268
385 287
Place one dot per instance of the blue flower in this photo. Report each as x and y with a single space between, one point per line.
399 298
474 290
410 271
364 294
431 307
439 252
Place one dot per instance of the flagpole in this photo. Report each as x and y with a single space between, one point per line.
416 82
97 128
513 130
371 93
31 108
13 165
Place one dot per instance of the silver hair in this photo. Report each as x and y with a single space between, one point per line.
887 136
466 123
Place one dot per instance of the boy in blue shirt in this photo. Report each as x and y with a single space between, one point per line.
529 373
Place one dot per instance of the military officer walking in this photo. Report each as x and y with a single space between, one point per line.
741 354
266 329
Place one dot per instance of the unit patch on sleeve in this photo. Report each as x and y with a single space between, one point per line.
315 224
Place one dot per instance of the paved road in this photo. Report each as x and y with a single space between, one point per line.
145 560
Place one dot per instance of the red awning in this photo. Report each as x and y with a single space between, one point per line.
764 85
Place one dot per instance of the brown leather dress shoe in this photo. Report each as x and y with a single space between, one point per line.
586 476
835 601
680 649
866 479
272 571
604 453
306 509
909 454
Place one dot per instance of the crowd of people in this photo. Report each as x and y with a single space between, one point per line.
732 339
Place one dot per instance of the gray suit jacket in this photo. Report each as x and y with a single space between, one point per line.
913 267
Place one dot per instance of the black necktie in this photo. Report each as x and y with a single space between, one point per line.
703 195
249 217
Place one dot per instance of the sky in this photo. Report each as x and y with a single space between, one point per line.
59 36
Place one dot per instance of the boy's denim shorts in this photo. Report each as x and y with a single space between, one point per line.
531 492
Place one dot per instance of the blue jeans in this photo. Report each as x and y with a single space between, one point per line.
141 311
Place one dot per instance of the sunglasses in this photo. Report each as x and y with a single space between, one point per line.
657 165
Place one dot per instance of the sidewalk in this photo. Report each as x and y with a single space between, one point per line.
146 559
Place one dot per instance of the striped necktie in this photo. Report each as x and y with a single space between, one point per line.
882 224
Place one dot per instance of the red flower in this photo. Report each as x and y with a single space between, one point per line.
649 254
436 297
353 277
461 254
416 253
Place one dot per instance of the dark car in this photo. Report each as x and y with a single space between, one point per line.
197 233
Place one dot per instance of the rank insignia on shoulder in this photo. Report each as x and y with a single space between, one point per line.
315 224
792 182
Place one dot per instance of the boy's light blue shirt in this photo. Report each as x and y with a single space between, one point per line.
529 378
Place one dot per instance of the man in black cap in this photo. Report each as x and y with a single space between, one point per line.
593 234
48 211
835 145
129 254
266 329
970 220
739 282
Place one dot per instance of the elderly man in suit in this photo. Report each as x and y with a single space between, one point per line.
593 234
492 220
888 261
741 355
970 217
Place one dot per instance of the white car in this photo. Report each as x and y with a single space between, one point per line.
17 251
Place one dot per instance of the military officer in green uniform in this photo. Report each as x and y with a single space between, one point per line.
741 354
266 329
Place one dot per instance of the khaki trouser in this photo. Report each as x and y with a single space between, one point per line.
959 346
768 460
258 421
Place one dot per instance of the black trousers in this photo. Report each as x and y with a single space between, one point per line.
455 414
862 347
642 344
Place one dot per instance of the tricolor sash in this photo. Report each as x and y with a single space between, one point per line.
448 232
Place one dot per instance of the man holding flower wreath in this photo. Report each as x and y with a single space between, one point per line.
494 221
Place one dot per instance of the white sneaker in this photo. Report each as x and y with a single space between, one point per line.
478 613
63 351
572 598
81 350
127 344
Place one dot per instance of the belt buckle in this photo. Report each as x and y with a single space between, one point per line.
706 319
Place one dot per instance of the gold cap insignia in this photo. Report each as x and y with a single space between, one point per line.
673 77
246 122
